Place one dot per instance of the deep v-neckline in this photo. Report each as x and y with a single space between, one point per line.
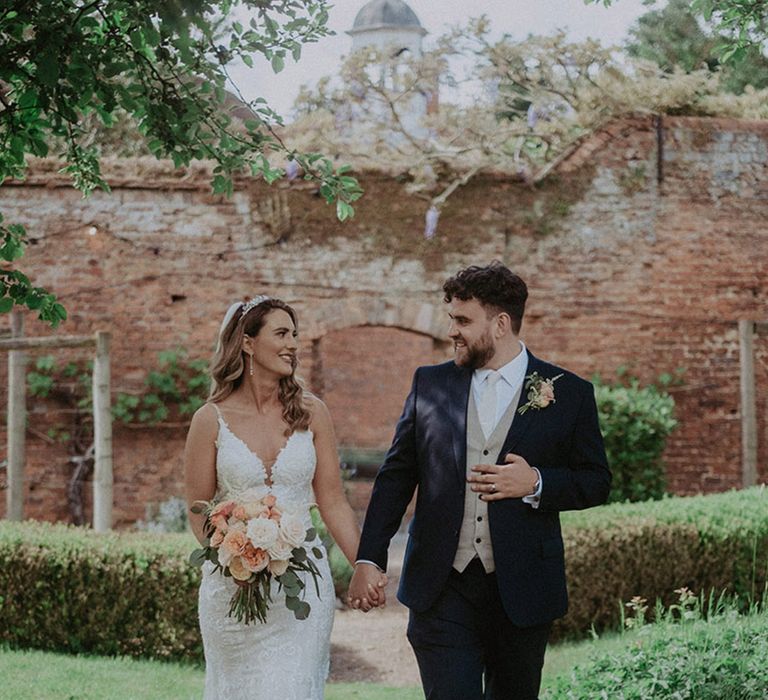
269 474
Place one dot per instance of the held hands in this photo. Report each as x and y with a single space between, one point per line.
366 589
513 479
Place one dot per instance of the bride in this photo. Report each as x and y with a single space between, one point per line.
260 430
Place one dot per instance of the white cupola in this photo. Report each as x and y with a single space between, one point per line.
387 24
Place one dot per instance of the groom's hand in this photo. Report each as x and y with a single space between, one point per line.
366 589
514 479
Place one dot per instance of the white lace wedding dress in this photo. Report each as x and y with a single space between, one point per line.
283 658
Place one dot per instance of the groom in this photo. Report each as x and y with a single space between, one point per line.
498 442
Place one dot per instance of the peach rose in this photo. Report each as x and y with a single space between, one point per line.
232 545
236 525
238 569
255 559
219 522
255 509
239 513
224 508
277 567
217 538
269 500
546 395
275 514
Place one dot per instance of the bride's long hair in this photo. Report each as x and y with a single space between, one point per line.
228 363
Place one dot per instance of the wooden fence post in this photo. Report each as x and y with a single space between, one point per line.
748 404
102 436
17 422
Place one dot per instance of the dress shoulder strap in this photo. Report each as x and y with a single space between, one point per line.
218 411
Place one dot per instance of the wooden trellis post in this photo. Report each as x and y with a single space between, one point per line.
102 418
17 423
102 437
748 403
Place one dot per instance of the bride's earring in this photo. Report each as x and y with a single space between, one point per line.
250 371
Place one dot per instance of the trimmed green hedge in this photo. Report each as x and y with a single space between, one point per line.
724 658
613 553
70 590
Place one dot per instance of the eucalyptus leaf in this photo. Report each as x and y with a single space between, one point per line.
198 557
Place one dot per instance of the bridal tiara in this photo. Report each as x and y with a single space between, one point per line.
253 303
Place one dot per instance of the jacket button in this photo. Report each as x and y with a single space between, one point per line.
479 518
479 540
485 452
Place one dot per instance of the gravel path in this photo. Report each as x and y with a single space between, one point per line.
372 646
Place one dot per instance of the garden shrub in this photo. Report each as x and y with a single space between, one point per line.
616 552
635 422
687 657
69 589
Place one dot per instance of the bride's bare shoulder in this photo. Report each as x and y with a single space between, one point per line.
205 418
320 422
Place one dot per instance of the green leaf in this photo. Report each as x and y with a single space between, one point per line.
344 211
6 304
278 63
302 610
198 557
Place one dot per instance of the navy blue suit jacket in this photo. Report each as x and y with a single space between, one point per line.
562 440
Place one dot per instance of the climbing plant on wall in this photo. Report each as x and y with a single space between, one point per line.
170 394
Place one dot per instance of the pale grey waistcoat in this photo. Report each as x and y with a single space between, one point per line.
475 535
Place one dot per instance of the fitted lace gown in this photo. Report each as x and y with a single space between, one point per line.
283 658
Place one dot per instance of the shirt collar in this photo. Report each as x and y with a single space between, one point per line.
513 372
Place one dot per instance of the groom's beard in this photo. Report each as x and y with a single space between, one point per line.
477 355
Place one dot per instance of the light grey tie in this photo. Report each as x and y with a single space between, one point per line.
486 410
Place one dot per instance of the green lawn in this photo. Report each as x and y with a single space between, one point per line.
36 675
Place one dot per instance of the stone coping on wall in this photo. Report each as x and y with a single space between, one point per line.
150 173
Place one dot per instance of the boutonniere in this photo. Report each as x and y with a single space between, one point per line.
541 392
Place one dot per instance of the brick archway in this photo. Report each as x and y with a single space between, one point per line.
336 314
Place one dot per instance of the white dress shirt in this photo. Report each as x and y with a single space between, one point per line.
512 379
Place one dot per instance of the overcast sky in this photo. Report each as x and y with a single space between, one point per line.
516 17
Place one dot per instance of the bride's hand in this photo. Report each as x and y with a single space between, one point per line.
366 589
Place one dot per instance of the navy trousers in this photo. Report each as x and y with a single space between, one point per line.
466 647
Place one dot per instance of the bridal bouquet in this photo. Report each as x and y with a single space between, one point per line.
252 539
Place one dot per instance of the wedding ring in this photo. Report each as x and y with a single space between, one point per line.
493 488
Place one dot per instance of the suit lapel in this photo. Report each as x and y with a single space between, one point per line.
458 400
521 423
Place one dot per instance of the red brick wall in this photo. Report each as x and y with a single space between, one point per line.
625 268
366 375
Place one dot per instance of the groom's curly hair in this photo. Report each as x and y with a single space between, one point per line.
495 286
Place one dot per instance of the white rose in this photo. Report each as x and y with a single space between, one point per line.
278 567
262 532
292 529
280 551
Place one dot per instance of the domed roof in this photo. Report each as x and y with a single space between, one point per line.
385 14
